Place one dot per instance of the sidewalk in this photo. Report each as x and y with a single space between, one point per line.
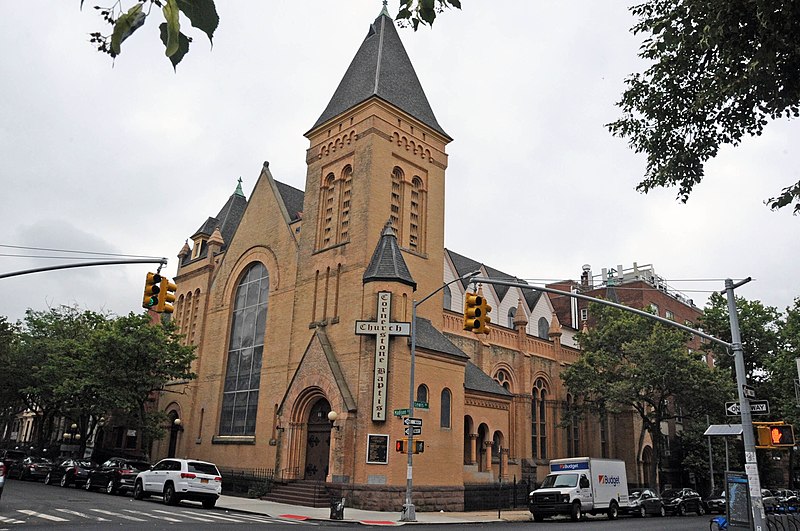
298 512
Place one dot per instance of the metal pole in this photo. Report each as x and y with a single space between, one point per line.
727 461
751 465
162 261
710 459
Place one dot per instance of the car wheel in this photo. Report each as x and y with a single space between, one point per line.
662 512
642 511
700 509
613 511
88 484
681 510
47 479
110 489
576 512
64 481
170 498
538 517
138 491
209 504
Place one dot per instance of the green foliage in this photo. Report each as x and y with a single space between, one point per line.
423 12
721 69
202 14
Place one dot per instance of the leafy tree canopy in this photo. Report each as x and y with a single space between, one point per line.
721 69
202 14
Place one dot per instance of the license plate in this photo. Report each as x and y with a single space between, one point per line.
203 480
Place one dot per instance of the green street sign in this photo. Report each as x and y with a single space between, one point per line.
421 405
401 412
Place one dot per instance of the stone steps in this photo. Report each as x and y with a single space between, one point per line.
305 493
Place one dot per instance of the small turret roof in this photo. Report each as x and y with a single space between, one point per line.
387 261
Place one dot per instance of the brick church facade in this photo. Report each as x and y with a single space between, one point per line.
300 304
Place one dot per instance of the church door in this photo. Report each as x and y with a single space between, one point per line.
318 443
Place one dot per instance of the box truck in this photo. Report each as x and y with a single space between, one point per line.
581 485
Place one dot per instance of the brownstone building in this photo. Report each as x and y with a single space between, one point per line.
300 304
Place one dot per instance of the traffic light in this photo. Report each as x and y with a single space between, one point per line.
151 289
166 296
484 318
473 311
775 435
400 446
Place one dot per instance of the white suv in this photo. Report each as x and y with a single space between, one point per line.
180 479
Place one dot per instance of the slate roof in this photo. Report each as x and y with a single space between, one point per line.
430 338
381 68
227 220
292 200
387 261
477 380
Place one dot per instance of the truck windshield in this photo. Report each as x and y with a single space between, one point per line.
560 480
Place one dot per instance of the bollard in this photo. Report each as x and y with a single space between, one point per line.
337 509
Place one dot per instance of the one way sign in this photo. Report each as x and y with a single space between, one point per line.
757 407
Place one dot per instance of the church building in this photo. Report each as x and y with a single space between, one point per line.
300 305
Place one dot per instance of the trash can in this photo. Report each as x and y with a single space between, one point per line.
337 508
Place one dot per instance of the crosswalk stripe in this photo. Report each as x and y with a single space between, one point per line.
83 515
42 515
167 518
124 516
224 518
185 515
7 520
255 517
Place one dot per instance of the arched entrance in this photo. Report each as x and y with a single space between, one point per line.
647 467
318 441
175 428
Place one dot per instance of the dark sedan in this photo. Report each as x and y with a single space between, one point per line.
115 475
716 503
70 472
644 502
682 502
12 459
33 468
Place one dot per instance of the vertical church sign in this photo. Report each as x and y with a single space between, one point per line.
382 328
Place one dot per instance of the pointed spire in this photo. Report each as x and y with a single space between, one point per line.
185 250
385 10
555 327
216 238
239 188
381 68
520 319
387 261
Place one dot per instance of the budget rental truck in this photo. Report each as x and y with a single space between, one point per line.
581 485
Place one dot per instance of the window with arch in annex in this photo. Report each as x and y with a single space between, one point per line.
512 312
539 419
245 352
572 427
444 417
544 328
502 377
422 393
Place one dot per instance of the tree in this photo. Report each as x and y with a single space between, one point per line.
721 70
202 14
628 362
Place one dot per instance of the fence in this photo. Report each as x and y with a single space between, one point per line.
485 496
247 481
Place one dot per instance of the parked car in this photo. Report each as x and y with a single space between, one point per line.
11 458
180 479
69 472
683 501
33 468
116 475
644 502
716 503
782 501
3 474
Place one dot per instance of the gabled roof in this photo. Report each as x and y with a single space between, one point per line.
387 261
227 220
381 68
431 339
477 380
292 200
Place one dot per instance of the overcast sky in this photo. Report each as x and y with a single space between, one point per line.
133 157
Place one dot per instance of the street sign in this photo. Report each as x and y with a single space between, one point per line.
411 421
413 430
401 412
421 405
757 407
748 391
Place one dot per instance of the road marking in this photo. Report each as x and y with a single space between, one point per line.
42 515
83 515
257 517
184 515
7 520
125 516
167 518
225 518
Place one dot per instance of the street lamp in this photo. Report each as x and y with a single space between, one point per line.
409 513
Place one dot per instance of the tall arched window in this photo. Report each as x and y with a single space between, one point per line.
327 211
539 419
544 328
422 394
416 229
397 202
571 427
512 312
344 207
447 298
243 370
444 417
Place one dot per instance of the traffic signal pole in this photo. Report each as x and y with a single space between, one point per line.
735 347
409 512
161 261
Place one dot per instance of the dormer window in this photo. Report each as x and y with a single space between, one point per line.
198 245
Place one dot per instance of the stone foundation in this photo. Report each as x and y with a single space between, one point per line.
387 498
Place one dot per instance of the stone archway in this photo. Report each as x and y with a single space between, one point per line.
647 464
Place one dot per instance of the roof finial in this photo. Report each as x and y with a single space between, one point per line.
385 11
239 188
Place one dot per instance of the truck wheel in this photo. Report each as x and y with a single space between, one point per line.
642 511
538 518
613 510
576 512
